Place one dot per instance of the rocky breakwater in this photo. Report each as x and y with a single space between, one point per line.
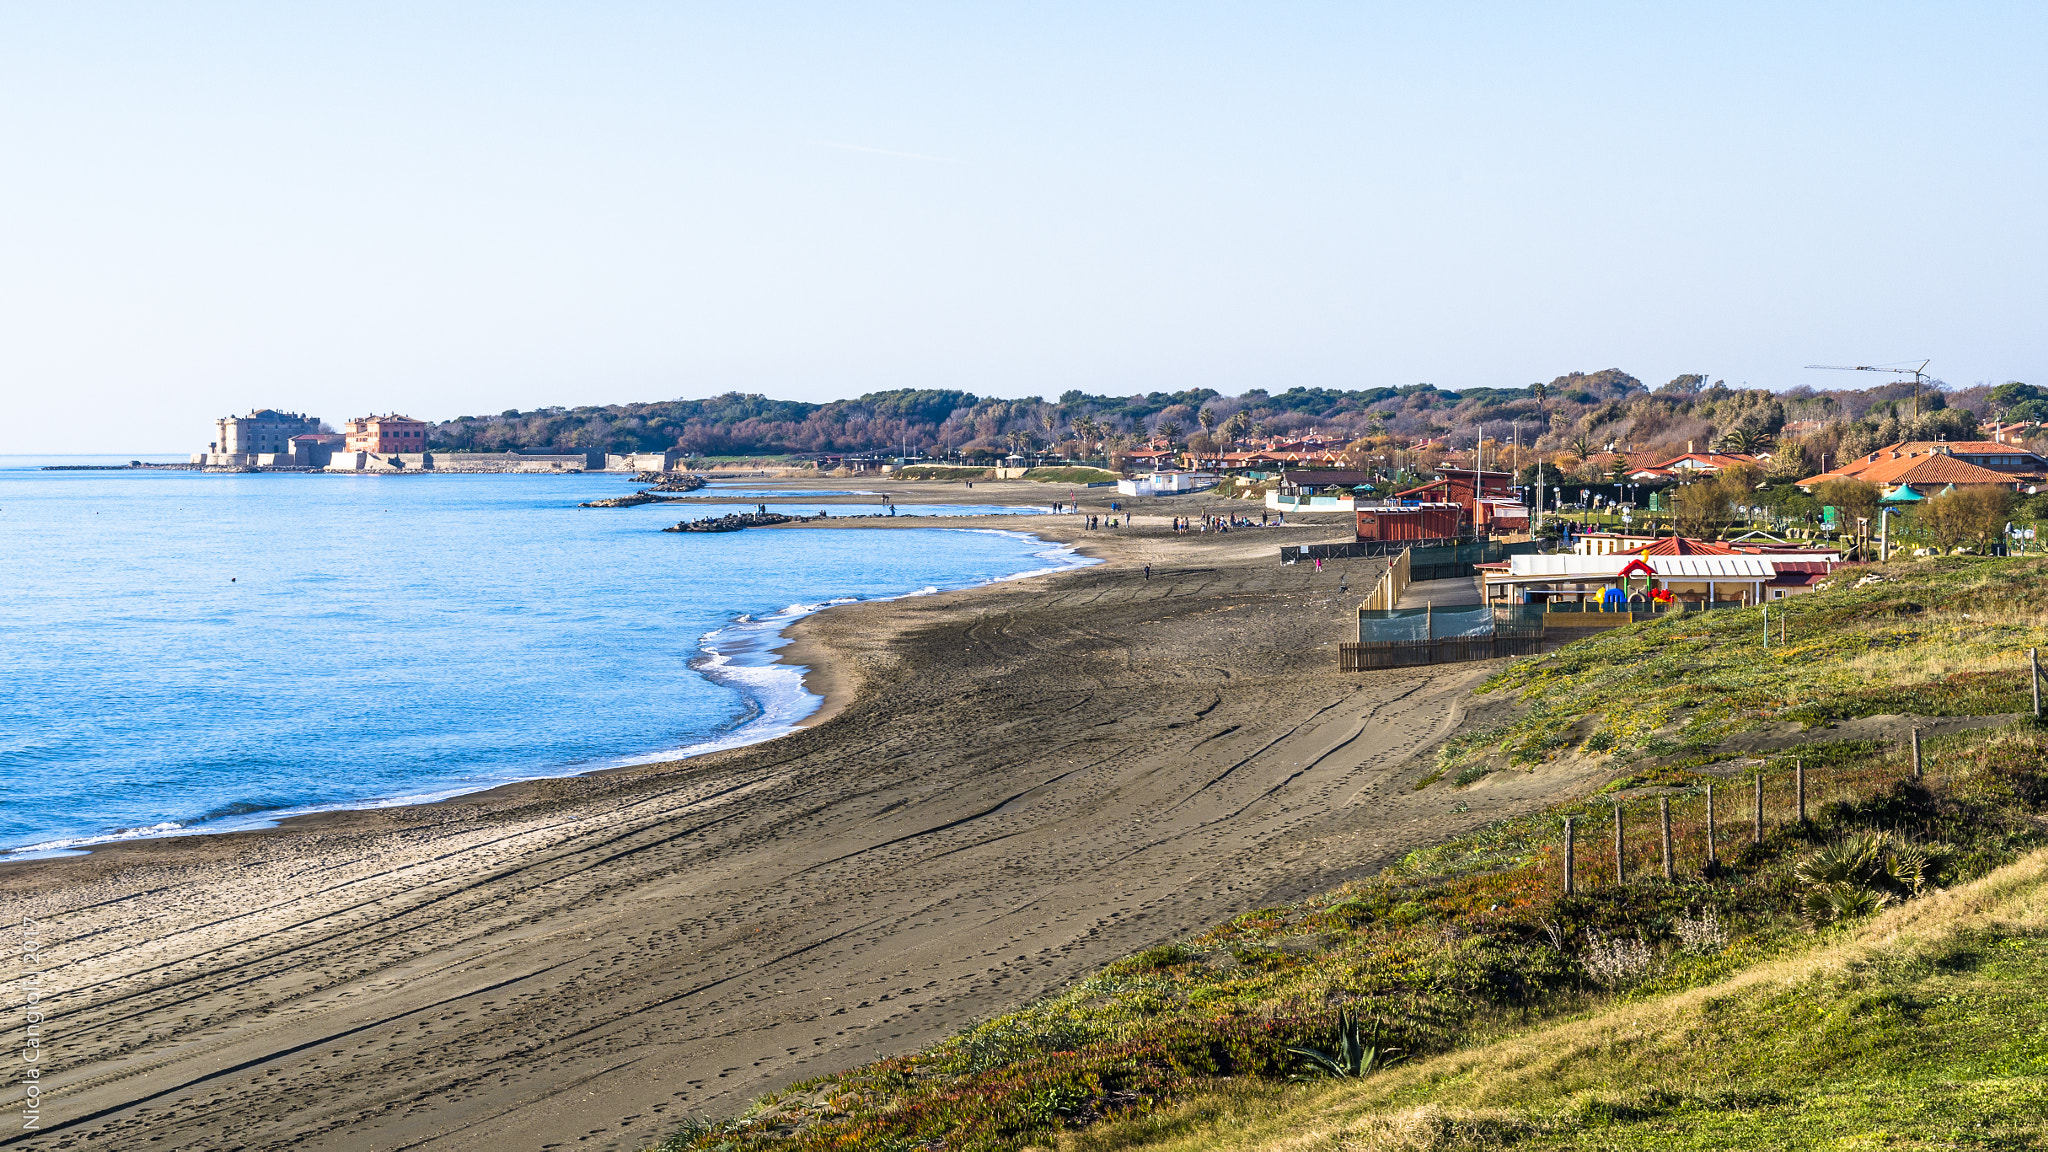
662 481
738 520
633 501
670 481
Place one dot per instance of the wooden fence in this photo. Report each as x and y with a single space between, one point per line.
1688 829
1451 649
1387 592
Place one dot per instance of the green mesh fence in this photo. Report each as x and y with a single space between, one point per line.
1464 621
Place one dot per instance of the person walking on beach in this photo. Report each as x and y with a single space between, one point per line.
1319 565
1148 571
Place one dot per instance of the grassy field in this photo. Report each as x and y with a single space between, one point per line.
1749 1002
1071 474
943 472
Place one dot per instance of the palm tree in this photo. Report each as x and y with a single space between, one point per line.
1086 429
1170 429
1236 427
1747 441
1207 418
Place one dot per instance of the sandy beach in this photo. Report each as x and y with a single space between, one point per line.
1008 786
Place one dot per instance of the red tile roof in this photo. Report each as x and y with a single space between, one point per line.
1681 546
1936 468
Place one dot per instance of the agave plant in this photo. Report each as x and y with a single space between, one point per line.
1835 903
1351 1057
1861 873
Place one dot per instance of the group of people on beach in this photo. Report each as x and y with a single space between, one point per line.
1182 525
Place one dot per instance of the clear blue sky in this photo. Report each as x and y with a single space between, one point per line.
445 209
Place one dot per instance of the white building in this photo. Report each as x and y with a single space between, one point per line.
1167 483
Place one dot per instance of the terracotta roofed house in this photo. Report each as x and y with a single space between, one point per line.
1923 465
2005 456
2018 432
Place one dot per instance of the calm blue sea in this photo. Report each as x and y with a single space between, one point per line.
192 652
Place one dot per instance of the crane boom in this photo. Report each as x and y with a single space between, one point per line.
1917 373
1872 368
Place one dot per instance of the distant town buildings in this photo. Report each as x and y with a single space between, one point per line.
267 438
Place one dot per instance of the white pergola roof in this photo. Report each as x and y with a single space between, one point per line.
1568 566
1714 567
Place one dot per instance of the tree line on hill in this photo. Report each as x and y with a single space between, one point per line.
1573 419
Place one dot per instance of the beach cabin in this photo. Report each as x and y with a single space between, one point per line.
1411 522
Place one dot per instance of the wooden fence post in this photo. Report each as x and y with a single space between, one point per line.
1916 753
1799 785
1620 864
2034 665
1712 856
1568 854
1758 819
1664 814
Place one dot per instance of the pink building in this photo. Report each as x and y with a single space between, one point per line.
385 434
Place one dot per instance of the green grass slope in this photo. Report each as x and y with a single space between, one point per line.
1926 1027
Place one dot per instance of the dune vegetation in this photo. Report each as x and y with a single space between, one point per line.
1925 1027
1870 975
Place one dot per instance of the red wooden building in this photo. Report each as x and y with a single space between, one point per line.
1477 492
1412 522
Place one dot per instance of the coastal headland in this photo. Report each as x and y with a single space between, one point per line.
1008 786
